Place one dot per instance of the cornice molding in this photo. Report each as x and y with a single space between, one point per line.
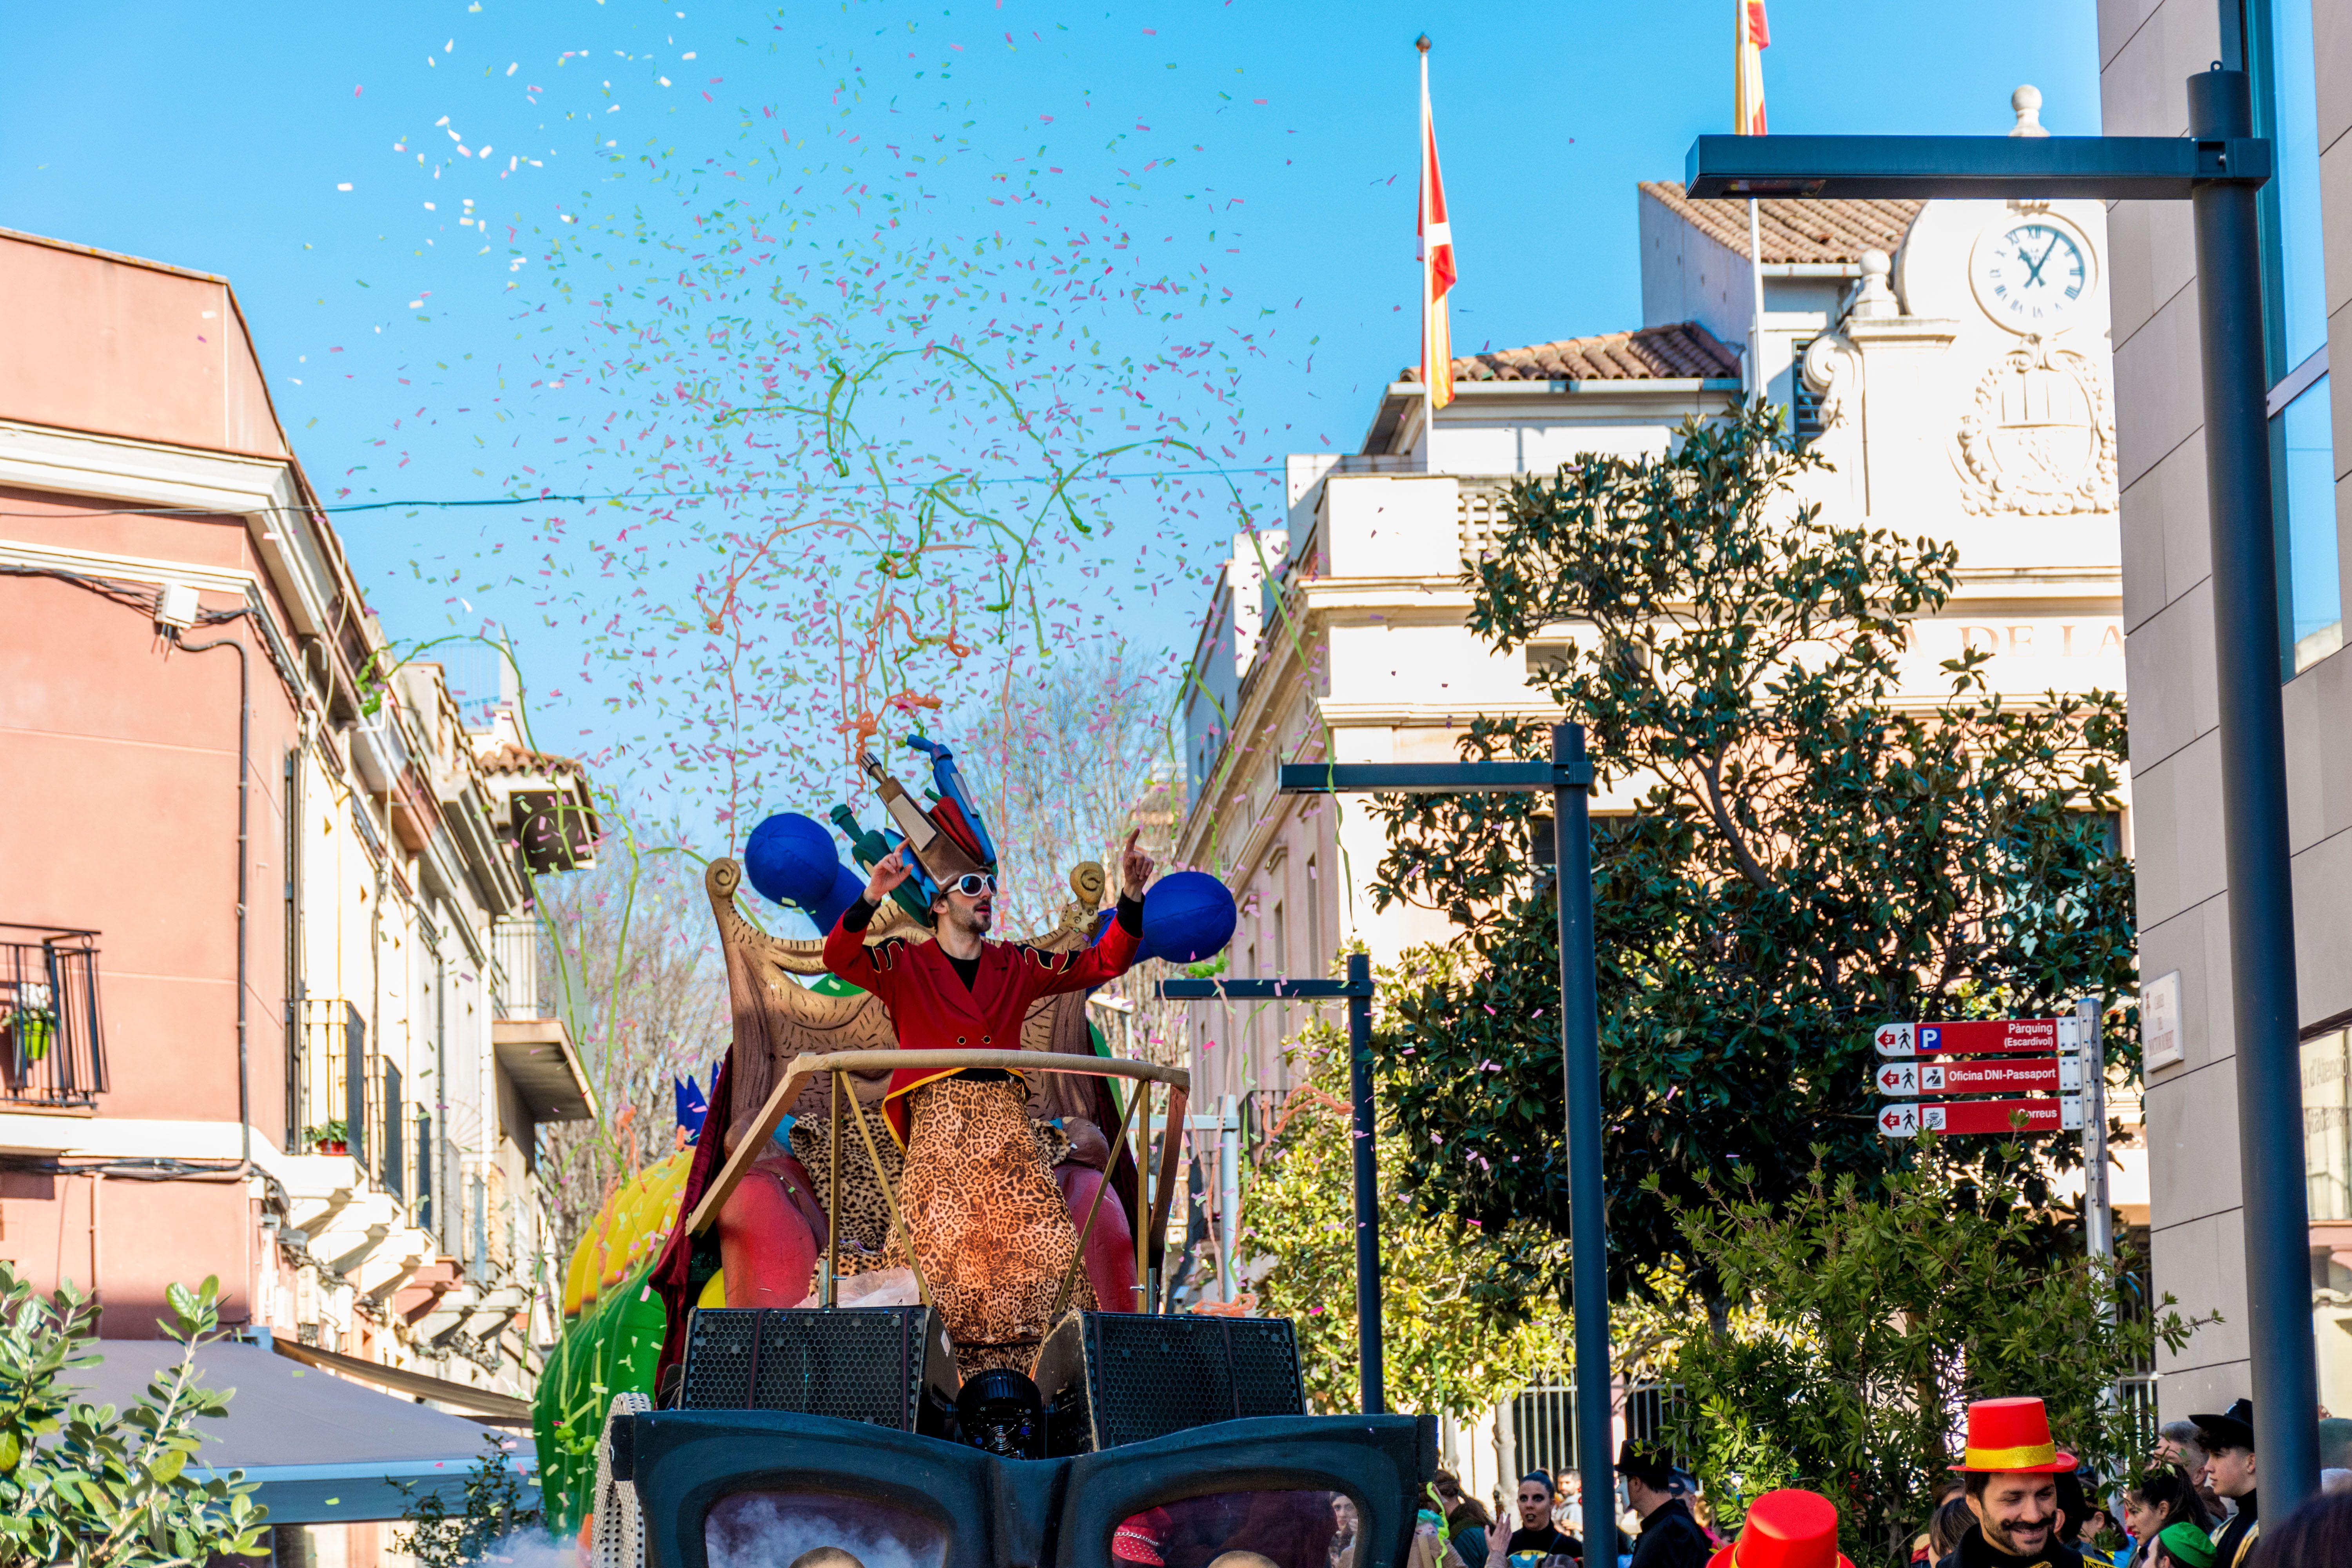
265 491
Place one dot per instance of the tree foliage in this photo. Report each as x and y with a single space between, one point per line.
495 1508
95 1487
1812 848
1446 1350
1859 1326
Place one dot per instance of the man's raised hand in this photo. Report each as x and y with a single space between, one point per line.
889 872
1134 870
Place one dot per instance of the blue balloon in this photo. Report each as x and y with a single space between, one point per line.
791 860
1187 916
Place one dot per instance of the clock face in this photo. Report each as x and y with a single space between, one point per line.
2032 275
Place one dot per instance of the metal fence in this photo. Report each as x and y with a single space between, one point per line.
52 1049
1543 1422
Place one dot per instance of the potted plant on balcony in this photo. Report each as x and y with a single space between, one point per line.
329 1138
32 1022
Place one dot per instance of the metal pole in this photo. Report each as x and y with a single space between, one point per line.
1579 1044
1229 1191
2253 811
2098 1219
1369 1372
1756 305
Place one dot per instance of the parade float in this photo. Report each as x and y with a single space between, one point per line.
768 1358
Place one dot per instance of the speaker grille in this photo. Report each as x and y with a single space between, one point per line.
1265 1367
1149 1375
851 1364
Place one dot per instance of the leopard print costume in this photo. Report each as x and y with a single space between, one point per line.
989 1225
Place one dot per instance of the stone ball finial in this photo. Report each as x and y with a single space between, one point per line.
1877 295
2027 101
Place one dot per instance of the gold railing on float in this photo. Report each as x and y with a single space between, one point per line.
808 1065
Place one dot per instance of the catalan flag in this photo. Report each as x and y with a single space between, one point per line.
1747 100
1438 273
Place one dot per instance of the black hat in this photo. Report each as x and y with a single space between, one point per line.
2233 1428
1647 1466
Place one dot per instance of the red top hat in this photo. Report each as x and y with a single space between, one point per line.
2011 1435
1785 1530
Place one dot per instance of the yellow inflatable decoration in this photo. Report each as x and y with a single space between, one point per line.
627 1234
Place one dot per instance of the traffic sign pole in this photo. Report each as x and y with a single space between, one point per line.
2098 1220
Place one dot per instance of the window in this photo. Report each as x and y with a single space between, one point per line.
395 1166
2279 55
2327 1126
2302 478
1319 957
1549 657
1805 404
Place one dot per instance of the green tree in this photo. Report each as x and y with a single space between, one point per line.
1858 1326
1446 1350
1812 850
95 1487
495 1508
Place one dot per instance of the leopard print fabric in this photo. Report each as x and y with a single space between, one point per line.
865 1214
864 1218
988 1223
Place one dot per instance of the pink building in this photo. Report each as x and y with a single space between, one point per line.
267 972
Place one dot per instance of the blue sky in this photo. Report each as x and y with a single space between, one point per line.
1248 166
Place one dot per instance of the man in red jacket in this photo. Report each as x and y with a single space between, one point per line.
989 1225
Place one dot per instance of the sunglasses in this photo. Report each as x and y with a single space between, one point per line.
972 884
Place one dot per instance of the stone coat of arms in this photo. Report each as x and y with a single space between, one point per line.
2039 437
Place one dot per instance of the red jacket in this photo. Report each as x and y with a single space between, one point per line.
930 1007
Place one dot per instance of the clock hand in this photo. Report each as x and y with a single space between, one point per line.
2033 269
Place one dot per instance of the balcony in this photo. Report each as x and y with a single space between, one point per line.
52 1051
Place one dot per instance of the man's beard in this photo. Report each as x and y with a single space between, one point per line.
2006 1537
974 922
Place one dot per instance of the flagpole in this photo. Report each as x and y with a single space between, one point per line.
1428 273
1755 330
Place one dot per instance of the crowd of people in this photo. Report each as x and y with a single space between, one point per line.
2015 1500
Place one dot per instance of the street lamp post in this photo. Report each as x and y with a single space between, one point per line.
1568 778
1356 992
2217 168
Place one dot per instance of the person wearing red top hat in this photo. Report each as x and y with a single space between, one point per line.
1787 1529
2010 1468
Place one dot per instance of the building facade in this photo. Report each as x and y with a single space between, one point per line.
2293 50
1890 335
268 1001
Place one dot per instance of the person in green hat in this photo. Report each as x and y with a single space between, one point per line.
2181 1543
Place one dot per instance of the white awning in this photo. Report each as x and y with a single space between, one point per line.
325 1450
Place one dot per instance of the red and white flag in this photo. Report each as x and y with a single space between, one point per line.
1747 96
1437 274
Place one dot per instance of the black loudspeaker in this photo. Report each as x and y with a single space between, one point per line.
890 1366
1114 1378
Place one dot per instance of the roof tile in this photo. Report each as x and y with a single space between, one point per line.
1793 230
1684 350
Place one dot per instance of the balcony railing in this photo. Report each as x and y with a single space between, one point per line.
52 1051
